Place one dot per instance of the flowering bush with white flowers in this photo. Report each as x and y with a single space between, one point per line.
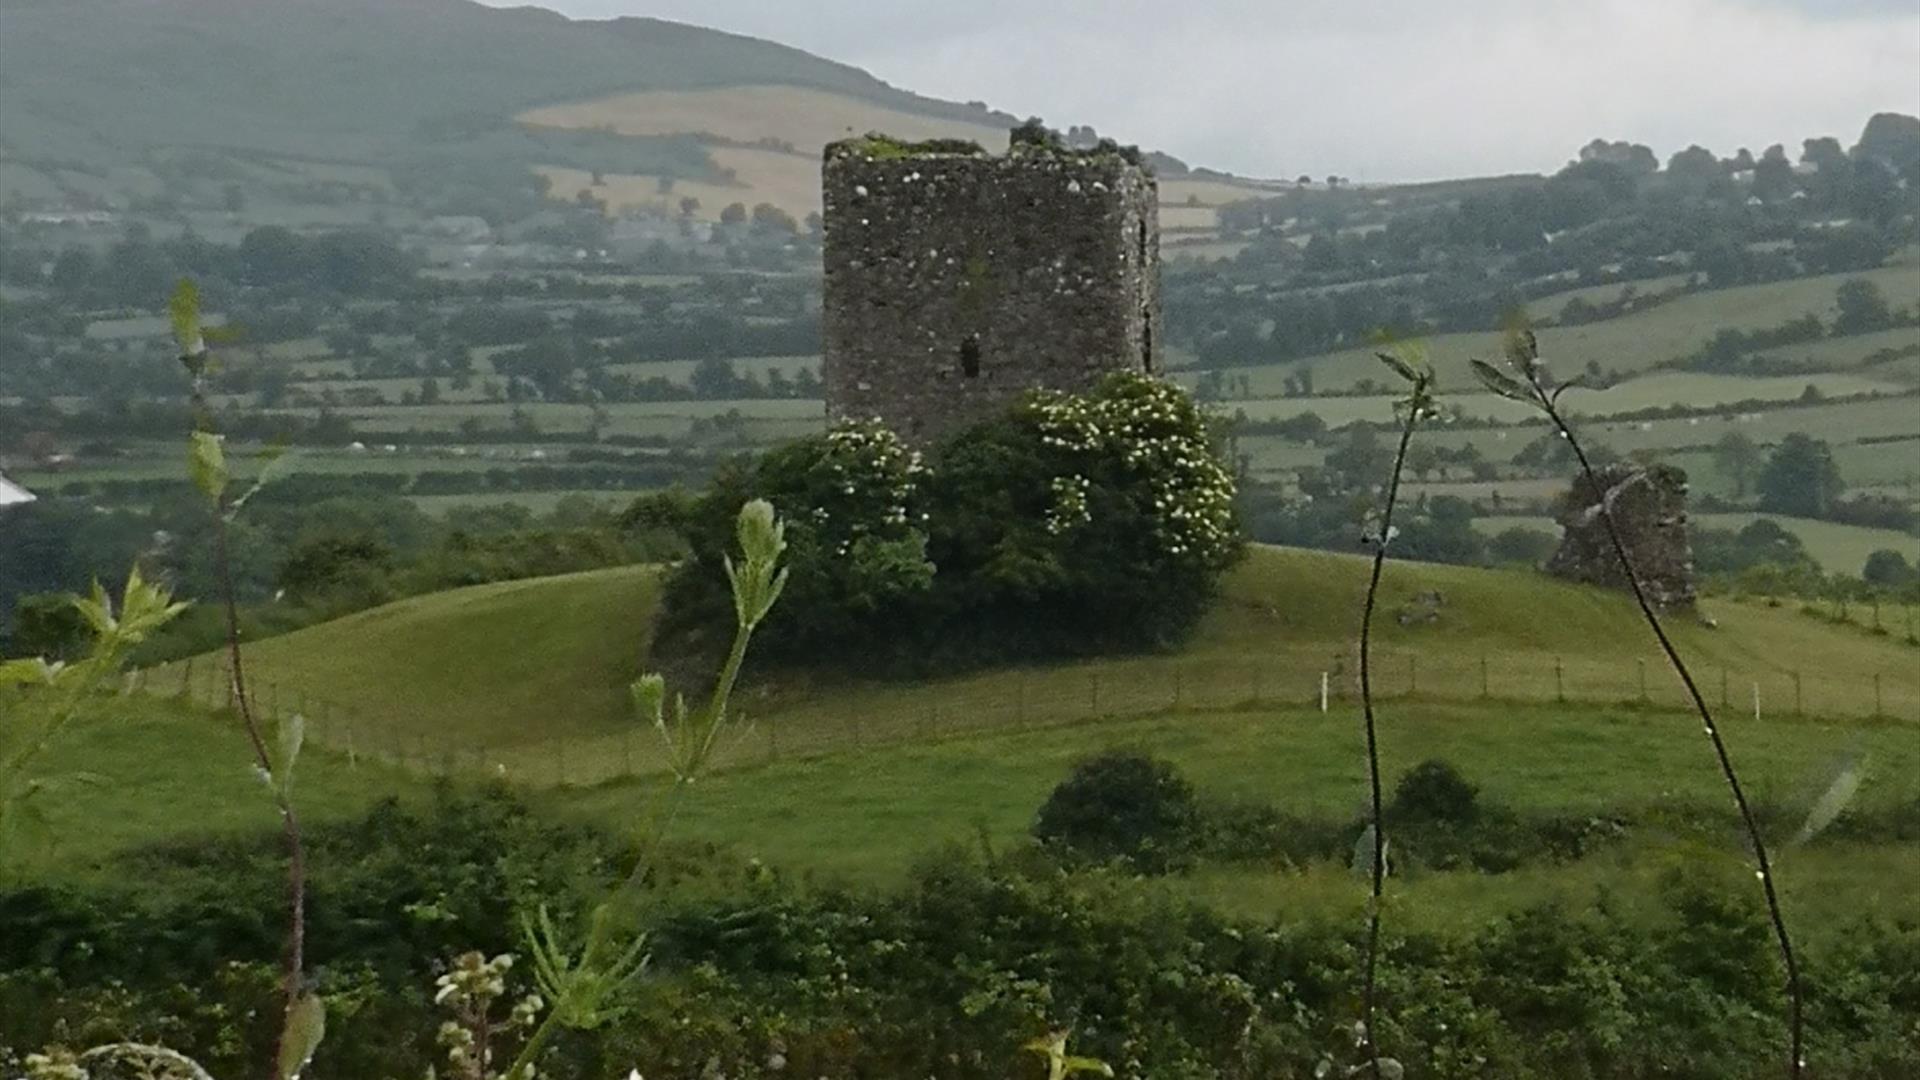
1083 523
1148 441
852 500
1073 524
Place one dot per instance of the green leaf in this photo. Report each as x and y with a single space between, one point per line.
1401 367
1839 794
185 309
207 463
649 698
1523 348
270 460
1363 855
306 1026
32 671
290 738
1500 382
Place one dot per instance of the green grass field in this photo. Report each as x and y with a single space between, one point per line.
1838 548
528 677
866 816
781 418
1655 390
855 782
1634 342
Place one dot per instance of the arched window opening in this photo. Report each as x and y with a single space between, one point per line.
970 358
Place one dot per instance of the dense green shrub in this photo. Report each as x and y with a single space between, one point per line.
1434 791
1122 806
1075 524
49 625
755 977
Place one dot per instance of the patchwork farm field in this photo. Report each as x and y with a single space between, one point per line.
1838 548
1640 340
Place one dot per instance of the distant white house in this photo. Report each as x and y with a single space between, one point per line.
12 494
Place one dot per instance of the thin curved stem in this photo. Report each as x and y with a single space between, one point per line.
293 974
295 960
1796 1065
1378 883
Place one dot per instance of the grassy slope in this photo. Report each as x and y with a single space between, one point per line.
487 677
868 817
167 772
515 662
543 657
355 79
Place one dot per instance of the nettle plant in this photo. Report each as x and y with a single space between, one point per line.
1370 853
575 986
44 698
1524 378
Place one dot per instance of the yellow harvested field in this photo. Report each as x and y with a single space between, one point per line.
1204 218
1206 250
1210 192
788 181
808 119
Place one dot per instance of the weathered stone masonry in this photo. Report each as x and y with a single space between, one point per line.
957 280
1650 510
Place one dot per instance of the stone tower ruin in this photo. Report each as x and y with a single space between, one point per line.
957 280
1649 507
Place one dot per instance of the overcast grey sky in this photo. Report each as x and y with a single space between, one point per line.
1372 89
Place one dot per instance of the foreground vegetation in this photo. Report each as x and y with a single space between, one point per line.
805 898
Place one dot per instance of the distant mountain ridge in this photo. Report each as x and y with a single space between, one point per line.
99 82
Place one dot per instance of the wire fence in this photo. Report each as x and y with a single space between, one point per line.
861 717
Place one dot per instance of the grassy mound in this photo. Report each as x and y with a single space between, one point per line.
530 676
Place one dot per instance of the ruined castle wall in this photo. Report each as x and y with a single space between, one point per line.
956 282
1650 511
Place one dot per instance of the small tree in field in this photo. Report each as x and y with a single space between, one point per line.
1123 806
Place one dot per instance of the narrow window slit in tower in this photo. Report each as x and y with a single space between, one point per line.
1146 341
970 357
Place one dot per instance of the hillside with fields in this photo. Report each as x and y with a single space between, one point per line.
1472 633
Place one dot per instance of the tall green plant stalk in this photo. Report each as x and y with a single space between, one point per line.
579 985
1417 405
304 1017
144 608
1531 384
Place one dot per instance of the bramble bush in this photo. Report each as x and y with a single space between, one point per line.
1122 806
755 976
1074 524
